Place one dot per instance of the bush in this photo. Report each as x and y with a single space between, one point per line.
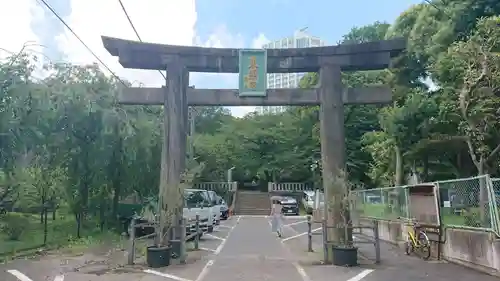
472 218
14 225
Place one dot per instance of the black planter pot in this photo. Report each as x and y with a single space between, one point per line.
345 256
158 256
175 246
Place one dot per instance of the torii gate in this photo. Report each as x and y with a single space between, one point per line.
329 61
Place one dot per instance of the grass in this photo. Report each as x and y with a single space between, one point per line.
381 211
61 233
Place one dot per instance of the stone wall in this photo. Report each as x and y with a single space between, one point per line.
473 248
477 249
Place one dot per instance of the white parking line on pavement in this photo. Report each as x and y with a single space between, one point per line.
298 235
302 272
19 275
295 223
254 216
361 275
204 271
298 267
207 249
166 275
217 251
209 264
23 277
225 226
214 236
295 217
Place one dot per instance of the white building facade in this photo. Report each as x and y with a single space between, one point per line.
300 39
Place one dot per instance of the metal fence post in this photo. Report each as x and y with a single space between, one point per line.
309 235
131 250
376 241
197 236
183 255
325 241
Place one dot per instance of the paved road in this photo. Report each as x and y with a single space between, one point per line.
396 265
251 253
244 249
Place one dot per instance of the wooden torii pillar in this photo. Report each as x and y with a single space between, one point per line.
329 61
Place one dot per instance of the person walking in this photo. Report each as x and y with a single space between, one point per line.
276 217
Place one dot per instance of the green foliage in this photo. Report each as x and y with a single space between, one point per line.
471 218
14 225
67 146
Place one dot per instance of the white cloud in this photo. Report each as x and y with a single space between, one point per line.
260 41
222 38
16 20
157 21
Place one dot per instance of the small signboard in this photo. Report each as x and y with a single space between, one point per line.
253 73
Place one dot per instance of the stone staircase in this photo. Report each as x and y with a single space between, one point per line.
253 203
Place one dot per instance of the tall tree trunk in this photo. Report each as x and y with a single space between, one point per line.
484 208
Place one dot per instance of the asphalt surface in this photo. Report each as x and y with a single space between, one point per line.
241 249
395 264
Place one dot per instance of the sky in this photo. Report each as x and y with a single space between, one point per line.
209 23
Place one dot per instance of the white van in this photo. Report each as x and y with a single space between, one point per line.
207 205
217 205
310 202
196 203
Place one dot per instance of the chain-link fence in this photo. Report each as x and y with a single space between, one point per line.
381 203
496 190
467 202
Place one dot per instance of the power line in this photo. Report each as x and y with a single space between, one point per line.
135 30
47 5
429 2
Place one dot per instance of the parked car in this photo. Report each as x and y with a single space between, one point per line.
195 203
224 209
290 206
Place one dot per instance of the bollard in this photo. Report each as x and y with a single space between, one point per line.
309 234
377 241
131 249
197 236
325 241
183 253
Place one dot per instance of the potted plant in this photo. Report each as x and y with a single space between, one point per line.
159 254
344 252
166 247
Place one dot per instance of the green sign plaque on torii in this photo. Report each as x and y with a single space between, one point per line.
253 73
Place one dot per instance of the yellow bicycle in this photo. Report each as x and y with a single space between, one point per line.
417 240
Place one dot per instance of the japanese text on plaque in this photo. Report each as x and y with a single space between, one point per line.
251 78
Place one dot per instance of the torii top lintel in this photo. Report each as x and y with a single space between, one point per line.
364 56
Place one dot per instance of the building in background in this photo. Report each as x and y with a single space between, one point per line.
300 39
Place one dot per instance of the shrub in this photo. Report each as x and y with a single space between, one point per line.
472 218
14 225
